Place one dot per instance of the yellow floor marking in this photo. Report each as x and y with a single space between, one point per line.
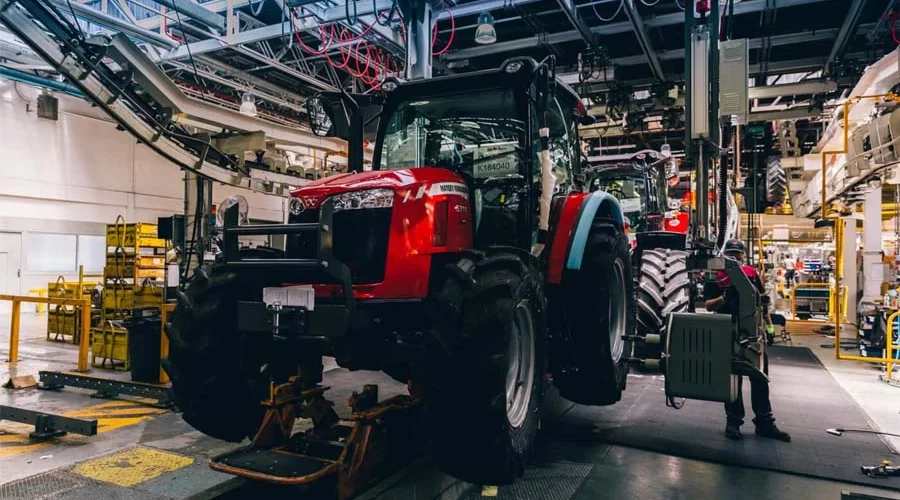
132 467
110 415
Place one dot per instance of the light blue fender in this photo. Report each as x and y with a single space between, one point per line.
598 202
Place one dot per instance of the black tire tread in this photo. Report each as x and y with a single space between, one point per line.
663 288
466 400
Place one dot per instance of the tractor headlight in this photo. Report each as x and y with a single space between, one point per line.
370 198
296 206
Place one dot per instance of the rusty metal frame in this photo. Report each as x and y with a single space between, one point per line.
358 462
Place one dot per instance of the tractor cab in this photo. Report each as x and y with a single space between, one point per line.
638 181
484 127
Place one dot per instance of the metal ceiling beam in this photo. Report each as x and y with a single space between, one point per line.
791 89
848 30
745 7
571 12
637 23
283 68
196 12
123 26
755 43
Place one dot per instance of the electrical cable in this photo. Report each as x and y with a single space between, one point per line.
679 5
75 18
449 41
649 4
201 81
601 18
351 20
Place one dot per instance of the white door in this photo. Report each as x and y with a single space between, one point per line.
10 267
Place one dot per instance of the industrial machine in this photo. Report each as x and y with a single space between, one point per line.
468 263
659 256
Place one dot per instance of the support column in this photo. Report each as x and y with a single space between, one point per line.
419 28
872 245
197 205
848 270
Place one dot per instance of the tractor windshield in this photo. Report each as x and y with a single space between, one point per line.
479 134
631 193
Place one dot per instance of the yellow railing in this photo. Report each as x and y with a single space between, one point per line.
83 343
888 357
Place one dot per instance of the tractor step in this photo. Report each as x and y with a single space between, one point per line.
380 439
274 466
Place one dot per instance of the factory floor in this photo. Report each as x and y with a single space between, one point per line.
144 452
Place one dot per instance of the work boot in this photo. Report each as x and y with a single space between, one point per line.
733 431
771 431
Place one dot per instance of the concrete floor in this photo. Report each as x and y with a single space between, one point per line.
130 432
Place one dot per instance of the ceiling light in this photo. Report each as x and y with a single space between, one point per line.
248 104
485 33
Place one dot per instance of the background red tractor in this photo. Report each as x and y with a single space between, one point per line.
470 263
659 255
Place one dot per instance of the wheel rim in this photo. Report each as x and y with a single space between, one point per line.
520 369
617 311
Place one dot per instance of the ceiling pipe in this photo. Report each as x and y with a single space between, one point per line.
39 81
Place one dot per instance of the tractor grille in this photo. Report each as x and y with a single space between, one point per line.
360 241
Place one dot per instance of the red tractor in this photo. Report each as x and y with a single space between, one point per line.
470 263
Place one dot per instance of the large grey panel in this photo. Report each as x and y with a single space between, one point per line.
699 363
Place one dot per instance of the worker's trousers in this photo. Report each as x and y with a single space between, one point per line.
759 400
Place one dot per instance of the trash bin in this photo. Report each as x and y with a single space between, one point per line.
143 348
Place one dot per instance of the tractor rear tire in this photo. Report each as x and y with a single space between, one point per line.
485 383
664 287
215 369
599 310
776 181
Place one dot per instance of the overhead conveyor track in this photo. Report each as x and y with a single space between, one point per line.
122 92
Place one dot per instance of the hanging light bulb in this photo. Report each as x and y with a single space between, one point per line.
485 33
248 104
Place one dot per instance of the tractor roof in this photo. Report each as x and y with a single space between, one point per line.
500 77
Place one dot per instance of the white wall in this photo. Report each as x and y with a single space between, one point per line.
77 174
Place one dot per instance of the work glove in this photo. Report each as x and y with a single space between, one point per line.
770 329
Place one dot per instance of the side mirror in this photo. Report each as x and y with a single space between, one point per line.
320 111
587 120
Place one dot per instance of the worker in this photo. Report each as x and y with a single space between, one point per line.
719 297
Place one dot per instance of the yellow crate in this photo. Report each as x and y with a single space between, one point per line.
125 235
109 344
131 297
123 266
61 322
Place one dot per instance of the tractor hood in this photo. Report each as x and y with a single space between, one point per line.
314 193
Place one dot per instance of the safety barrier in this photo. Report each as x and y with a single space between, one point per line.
83 341
888 357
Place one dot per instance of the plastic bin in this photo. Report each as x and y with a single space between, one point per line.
143 348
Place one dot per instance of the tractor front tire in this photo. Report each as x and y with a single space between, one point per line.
217 381
664 287
600 312
485 382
